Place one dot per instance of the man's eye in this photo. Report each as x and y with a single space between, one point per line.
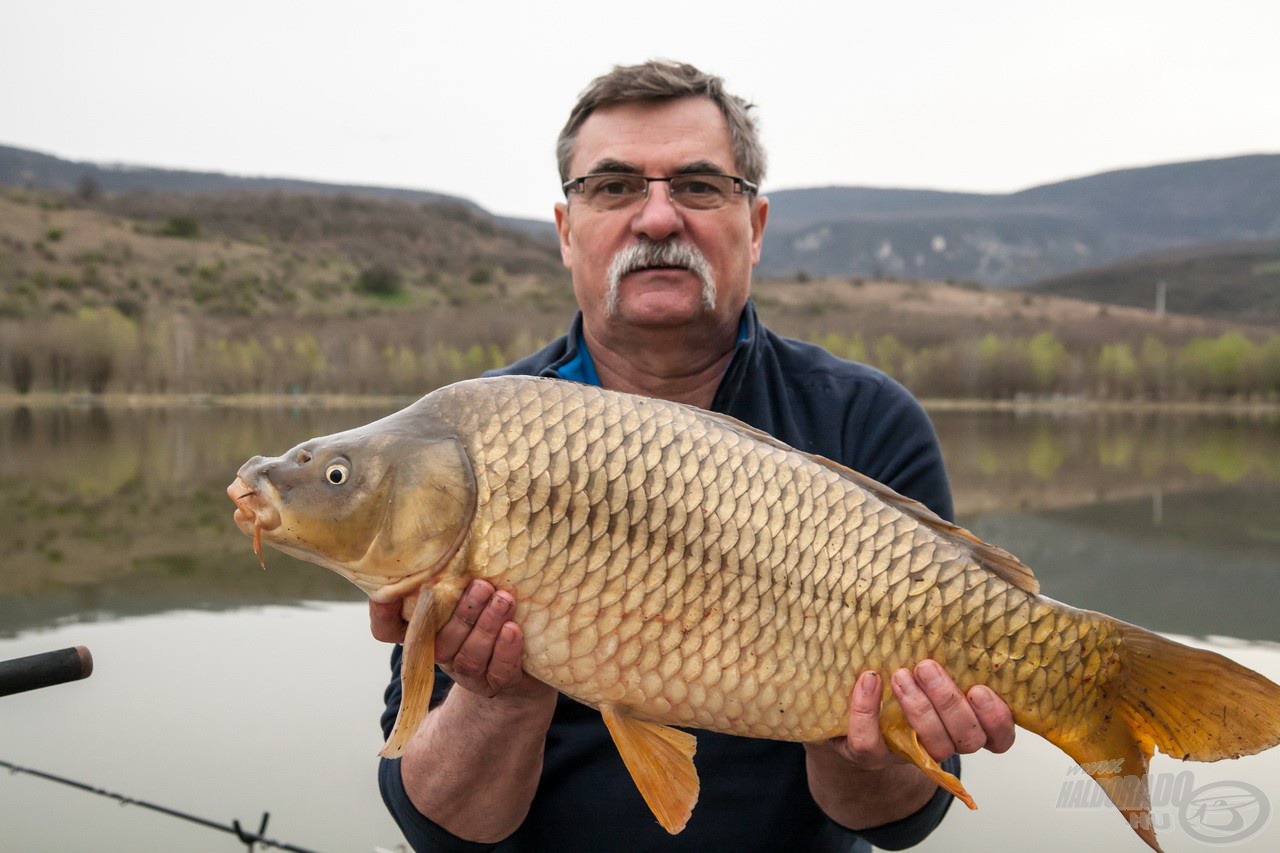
615 188
699 188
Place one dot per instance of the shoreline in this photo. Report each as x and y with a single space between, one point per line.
1055 406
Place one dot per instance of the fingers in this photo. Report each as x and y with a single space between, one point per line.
995 717
386 623
504 667
479 646
466 617
864 745
947 721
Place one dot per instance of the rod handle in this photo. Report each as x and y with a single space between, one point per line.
44 669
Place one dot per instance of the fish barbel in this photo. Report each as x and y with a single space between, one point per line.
675 567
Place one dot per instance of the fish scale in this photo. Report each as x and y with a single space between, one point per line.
671 566
717 462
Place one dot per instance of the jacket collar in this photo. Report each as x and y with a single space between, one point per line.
575 362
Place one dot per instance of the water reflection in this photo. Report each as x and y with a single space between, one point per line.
1166 521
1169 522
113 512
124 511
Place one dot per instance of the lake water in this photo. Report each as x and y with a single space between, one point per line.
225 691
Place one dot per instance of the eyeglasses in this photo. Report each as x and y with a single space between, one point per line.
614 191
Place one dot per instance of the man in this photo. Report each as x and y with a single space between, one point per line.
661 228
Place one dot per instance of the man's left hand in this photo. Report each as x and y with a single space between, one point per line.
946 721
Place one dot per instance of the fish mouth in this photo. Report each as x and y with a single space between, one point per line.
253 515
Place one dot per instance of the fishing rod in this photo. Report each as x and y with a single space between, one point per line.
44 670
246 837
49 668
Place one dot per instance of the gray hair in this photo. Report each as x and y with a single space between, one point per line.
661 80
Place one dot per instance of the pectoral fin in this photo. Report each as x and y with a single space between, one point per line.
660 760
417 669
902 740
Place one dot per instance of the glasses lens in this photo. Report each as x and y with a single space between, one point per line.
702 192
610 192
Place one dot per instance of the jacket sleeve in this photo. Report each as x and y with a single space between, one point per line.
420 831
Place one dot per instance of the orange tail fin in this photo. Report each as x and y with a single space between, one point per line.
1189 703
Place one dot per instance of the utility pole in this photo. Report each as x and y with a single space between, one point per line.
1160 296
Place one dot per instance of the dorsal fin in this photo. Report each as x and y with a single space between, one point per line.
998 561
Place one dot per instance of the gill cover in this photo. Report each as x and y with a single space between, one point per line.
429 502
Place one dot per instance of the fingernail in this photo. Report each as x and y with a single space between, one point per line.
870 684
501 603
905 681
981 697
930 673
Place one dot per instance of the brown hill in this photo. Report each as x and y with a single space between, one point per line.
259 255
1238 281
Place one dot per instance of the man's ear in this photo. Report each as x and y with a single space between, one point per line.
562 228
759 216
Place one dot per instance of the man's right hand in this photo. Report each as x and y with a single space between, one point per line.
474 763
479 647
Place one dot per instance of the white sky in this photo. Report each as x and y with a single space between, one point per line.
467 98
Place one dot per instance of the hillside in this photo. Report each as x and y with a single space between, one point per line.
1017 238
242 254
1238 281
23 168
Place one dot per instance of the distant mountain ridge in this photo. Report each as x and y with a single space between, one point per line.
1001 240
1018 238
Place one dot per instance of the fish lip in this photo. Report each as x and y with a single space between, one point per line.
252 512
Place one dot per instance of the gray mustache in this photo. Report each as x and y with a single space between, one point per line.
671 253
640 256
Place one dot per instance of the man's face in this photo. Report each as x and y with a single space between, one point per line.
659 140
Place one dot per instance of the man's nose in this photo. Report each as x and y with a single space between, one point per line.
657 217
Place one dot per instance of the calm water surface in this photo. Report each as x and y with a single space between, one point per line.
226 691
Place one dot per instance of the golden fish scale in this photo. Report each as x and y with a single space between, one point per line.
672 564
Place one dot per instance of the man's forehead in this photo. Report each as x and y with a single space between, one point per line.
675 136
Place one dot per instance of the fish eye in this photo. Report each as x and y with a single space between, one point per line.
337 473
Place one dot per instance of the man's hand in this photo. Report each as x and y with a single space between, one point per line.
946 721
474 763
479 647
860 783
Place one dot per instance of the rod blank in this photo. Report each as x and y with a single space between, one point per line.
44 669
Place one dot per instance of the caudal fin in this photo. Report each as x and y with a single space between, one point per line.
1188 703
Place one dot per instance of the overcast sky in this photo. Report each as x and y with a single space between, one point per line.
467 98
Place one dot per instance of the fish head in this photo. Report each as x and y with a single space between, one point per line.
386 506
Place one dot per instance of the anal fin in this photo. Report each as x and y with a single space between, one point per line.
902 741
1117 760
660 761
417 670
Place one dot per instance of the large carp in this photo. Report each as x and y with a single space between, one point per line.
674 567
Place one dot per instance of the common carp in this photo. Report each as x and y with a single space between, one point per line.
675 567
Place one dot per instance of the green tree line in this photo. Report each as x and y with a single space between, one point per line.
99 350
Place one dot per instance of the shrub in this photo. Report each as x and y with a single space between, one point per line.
185 227
379 280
